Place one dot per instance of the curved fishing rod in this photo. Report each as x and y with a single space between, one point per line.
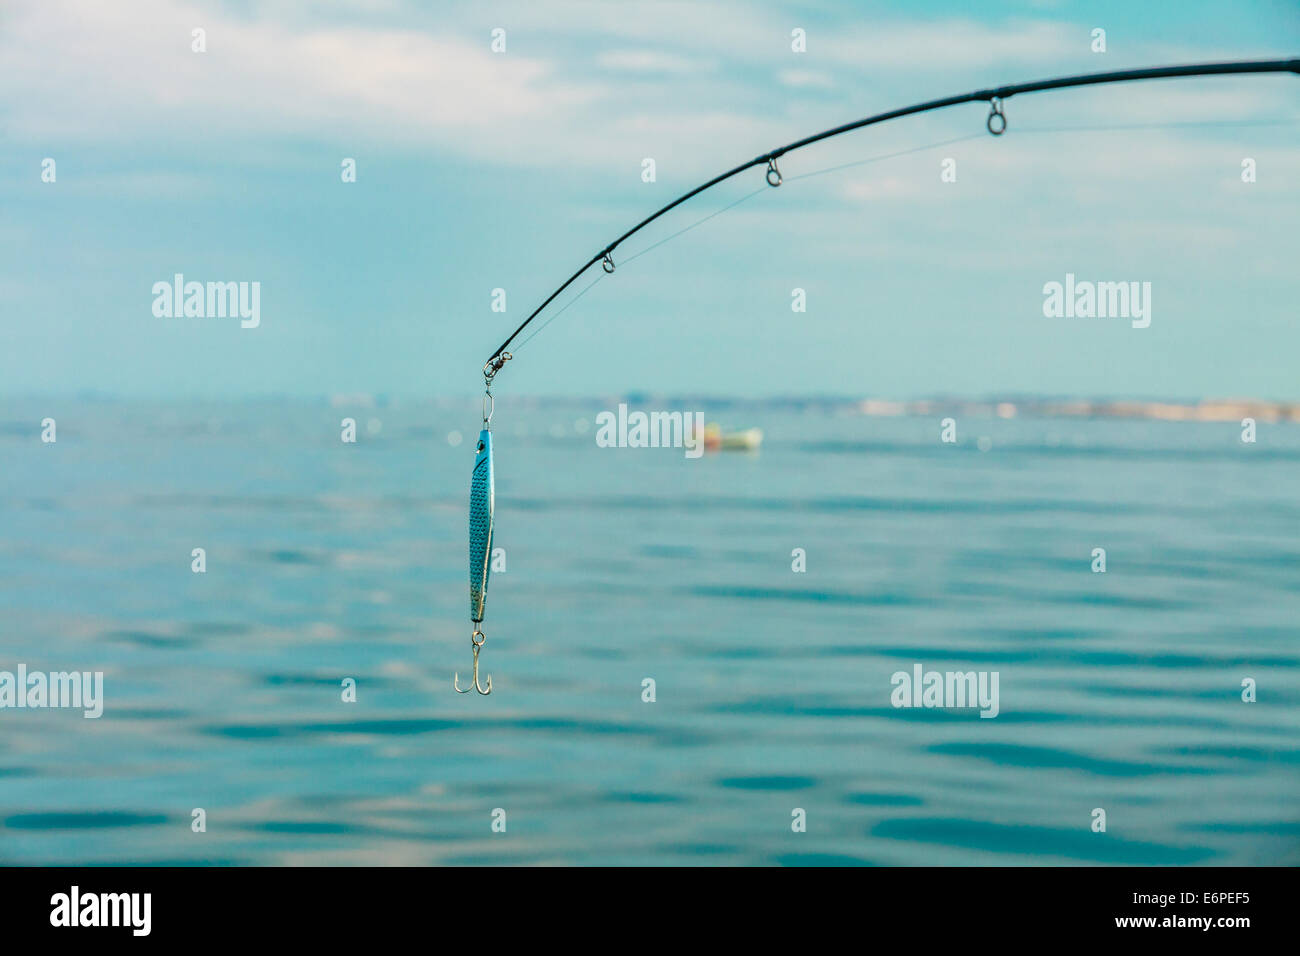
482 485
996 124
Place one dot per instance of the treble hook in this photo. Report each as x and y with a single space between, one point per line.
477 639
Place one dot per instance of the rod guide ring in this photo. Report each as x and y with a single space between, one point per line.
997 120
773 173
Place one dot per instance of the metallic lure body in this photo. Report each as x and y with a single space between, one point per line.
482 502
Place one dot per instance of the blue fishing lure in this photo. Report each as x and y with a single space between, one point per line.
482 502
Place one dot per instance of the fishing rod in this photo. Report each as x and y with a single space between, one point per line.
482 488
996 124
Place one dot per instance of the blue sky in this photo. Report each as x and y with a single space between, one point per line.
479 171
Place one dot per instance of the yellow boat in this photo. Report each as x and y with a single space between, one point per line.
717 440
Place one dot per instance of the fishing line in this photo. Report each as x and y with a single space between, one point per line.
1111 127
1190 124
565 308
1106 128
995 123
482 490
876 159
559 312
794 179
634 257
699 222
732 205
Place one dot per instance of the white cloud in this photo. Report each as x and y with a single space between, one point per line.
649 61
887 187
955 44
801 79
81 71
84 70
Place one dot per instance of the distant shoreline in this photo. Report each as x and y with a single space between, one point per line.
1171 410
1205 410
1209 410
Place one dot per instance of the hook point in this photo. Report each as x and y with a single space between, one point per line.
477 639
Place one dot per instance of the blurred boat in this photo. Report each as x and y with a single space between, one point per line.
715 439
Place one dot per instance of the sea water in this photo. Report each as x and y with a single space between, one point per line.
632 574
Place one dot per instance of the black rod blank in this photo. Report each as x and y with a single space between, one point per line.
994 96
